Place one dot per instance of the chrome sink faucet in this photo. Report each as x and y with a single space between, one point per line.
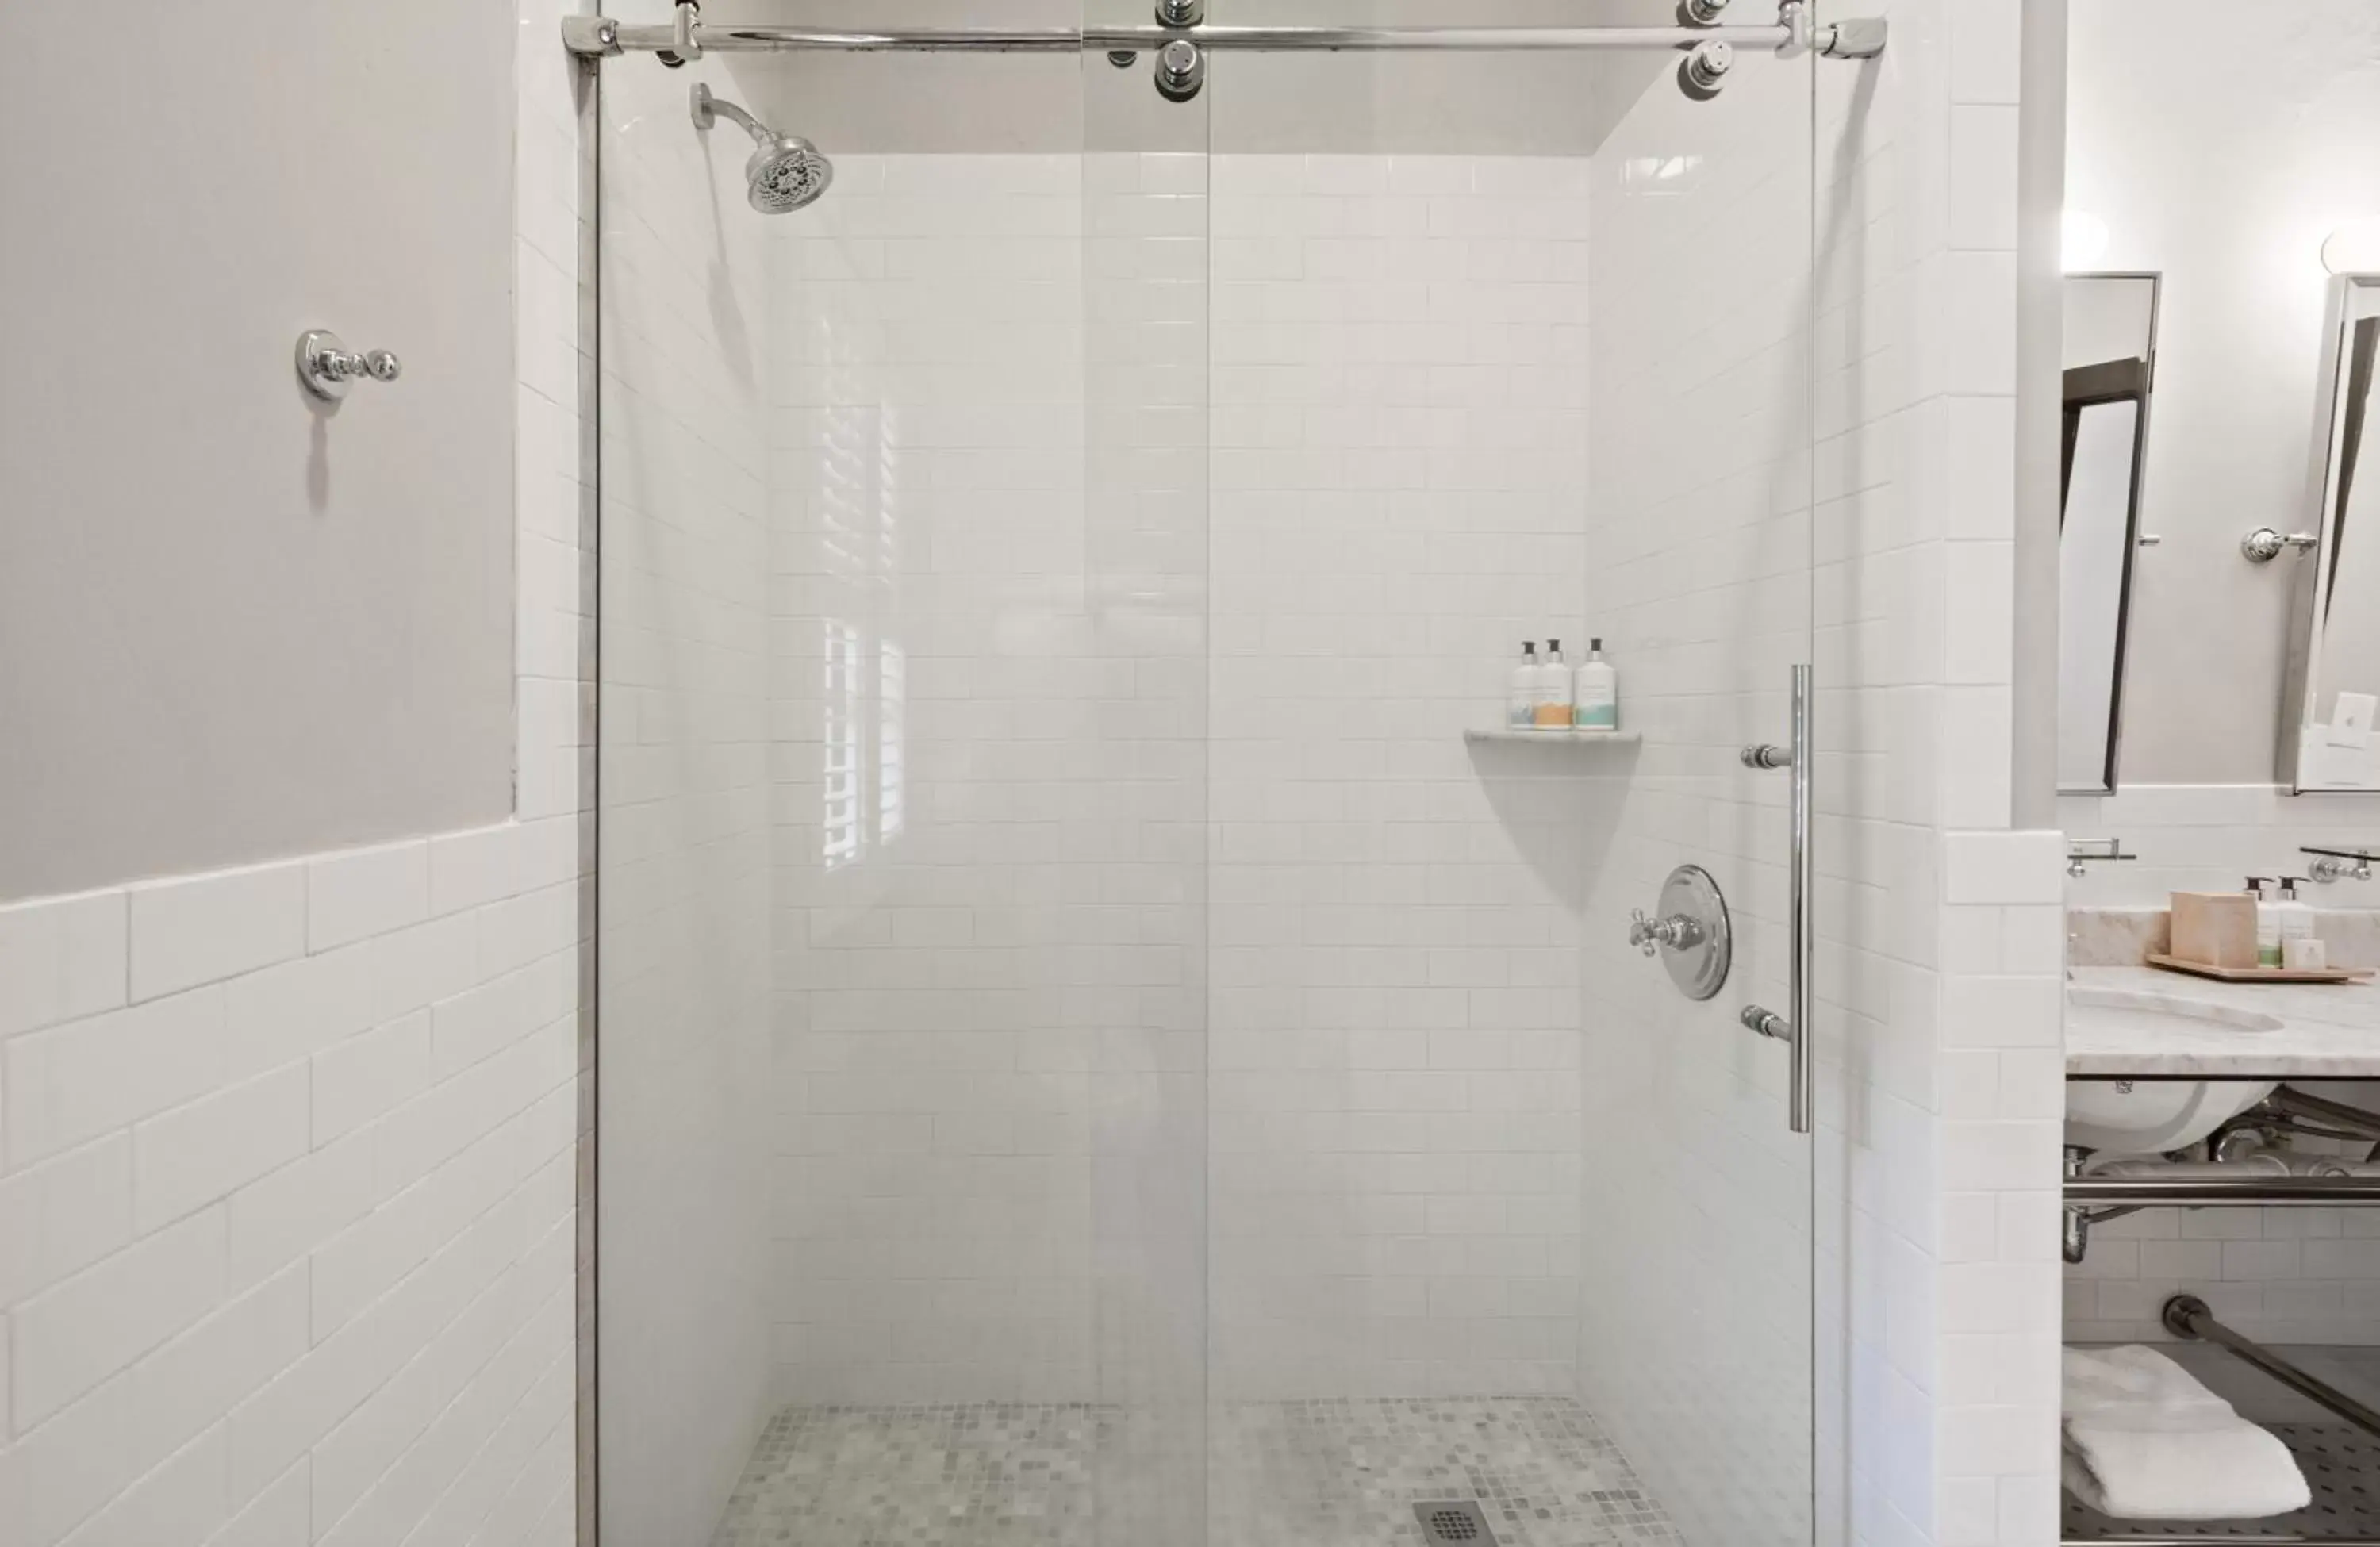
2338 863
2083 853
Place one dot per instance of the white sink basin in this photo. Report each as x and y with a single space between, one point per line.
2151 1116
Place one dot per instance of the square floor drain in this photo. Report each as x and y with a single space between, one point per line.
1455 1522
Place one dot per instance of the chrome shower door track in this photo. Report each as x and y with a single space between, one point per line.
689 36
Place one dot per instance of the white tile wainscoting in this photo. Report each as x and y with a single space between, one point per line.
287 1199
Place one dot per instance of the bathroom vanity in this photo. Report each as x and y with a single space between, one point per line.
2144 1023
2221 1183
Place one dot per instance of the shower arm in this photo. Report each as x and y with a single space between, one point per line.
707 107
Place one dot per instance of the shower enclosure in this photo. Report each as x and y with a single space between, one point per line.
1105 1035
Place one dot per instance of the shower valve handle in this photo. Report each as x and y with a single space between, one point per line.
1649 934
328 367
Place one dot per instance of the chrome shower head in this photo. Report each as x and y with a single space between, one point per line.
785 172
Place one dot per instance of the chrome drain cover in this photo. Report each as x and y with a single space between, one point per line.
1455 1522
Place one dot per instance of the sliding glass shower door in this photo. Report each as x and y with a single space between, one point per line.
1107 1034
1506 347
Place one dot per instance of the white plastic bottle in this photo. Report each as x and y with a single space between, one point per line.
2297 921
2268 923
1521 699
1595 692
1553 702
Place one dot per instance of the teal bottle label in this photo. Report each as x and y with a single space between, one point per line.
1600 716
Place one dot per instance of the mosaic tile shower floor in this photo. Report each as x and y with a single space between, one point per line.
1341 1473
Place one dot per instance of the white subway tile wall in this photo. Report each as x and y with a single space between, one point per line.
268 1252
2280 1275
288 1154
2210 837
1397 462
963 889
1400 469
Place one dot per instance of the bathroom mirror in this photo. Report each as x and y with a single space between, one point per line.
2110 354
2334 662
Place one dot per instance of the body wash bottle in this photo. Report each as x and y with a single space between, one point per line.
1521 700
1553 706
2299 948
1596 692
2268 923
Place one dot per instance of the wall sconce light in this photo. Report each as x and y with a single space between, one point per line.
2353 248
2083 240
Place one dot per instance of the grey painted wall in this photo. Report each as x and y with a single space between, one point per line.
233 627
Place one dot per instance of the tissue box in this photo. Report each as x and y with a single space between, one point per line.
2218 928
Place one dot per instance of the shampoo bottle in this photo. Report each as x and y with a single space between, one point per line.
1553 705
1596 692
1521 700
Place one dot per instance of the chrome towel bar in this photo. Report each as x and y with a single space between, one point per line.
2255 1191
2187 1317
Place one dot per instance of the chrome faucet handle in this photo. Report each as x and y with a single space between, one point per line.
2081 854
328 367
2264 544
2329 868
1677 932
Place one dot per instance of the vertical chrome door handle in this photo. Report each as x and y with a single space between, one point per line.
1798 908
1793 1027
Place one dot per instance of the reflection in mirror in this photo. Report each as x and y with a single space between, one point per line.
2110 349
2335 628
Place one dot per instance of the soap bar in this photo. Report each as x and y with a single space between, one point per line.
2216 928
2305 953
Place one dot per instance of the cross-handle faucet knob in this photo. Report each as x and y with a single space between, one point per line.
2264 545
1649 934
328 367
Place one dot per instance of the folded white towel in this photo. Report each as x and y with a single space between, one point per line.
2146 1442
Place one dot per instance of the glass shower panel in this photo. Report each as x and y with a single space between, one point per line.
1506 347
1141 811
684 1117
1102 1038
1697 1343
903 770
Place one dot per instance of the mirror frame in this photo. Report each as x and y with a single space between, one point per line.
2142 393
2309 595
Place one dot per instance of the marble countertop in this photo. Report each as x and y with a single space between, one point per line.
2329 1030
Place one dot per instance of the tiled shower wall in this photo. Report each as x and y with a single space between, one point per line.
1400 387
993 777
982 868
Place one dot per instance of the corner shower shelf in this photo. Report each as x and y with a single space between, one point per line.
1500 737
